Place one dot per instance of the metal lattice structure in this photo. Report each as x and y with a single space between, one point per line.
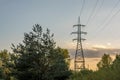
79 62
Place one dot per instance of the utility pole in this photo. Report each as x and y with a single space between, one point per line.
79 61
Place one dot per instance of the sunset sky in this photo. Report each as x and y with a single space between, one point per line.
101 18
17 17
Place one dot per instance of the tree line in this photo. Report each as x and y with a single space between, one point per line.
107 70
38 58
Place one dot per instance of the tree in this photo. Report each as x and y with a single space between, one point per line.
82 75
5 70
65 54
38 57
116 67
105 62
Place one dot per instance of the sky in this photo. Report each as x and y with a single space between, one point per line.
101 18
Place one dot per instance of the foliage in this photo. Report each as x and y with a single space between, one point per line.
5 65
105 62
108 71
38 59
65 54
81 75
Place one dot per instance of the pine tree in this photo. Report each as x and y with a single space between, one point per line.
38 57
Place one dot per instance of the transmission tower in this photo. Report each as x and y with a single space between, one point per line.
79 62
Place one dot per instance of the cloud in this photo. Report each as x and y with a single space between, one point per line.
96 52
93 55
99 46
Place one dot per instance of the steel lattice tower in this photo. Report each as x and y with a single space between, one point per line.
79 62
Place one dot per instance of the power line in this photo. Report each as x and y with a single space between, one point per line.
99 28
92 12
109 20
107 17
98 10
82 7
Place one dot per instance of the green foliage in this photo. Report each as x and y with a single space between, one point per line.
5 65
107 71
116 67
65 54
81 75
38 59
105 61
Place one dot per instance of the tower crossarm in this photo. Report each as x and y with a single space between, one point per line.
79 32
82 39
83 32
78 25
